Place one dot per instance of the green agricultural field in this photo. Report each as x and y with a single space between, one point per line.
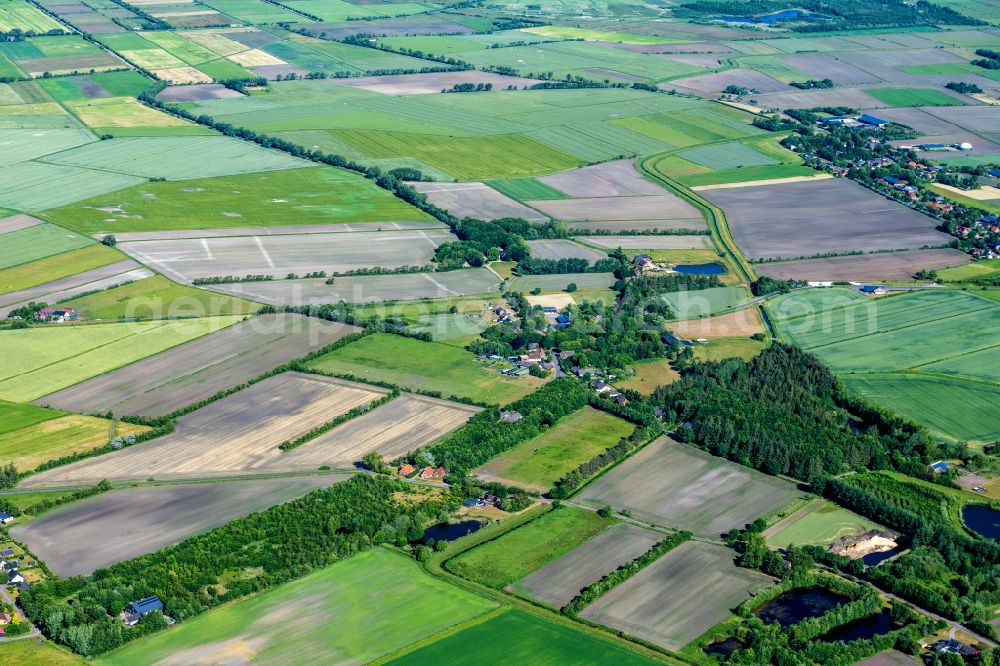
727 156
566 32
465 158
43 360
37 652
35 186
526 189
319 195
19 15
20 145
775 68
517 637
14 416
433 44
704 302
683 128
426 366
929 355
350 612
23 500
37 242
987 205
223 69
745 174
897 97
122 84
540 462
56 267
818 523
549 283
977 269
33 445
122 112
517 553
157 298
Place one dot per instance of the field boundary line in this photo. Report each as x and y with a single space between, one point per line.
442 634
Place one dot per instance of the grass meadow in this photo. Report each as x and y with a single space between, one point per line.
43 360
517 637
722 348
376 601
427 366
899 97
540 462
157 298
648 375
517 553
320 195
37 242
37 652
30 446
818 523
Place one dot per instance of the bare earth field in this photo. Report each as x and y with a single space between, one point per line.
186 259
611 179
398 427
658 207
17 222
100 531
475 200
563 249
814 217
234 435
40 292
160 384
882 266
889 658
807 99
649 242
198 93
679 597
289 230
432 82
743 323
676 485
367 288
709 83
558 582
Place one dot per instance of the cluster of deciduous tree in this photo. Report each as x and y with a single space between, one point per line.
485 436
247 555
783 412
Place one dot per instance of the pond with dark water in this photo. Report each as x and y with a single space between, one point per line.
797 605
983 520
863 627
724 648
451 531
700 269
784 15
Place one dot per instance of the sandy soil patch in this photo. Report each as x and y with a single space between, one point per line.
182 75
558 301
755 183
255 58
743 323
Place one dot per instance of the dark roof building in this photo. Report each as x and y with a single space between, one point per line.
147 605
872 120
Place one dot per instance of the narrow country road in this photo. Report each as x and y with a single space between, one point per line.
34 633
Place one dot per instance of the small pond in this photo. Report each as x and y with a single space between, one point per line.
874 559
863 627
784 15
983 520
797 605
700 269
724 648
451 531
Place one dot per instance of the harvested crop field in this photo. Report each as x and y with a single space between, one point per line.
563 249
100 531
745 323
432 82
394 429
671 242
663 207
378 601
813 217
677 485
679 597
611 179
367 288
198 369
42 360
187 259
289 230
881 266
238 433
475 200
558 582
197 93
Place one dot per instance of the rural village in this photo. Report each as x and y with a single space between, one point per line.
488 332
